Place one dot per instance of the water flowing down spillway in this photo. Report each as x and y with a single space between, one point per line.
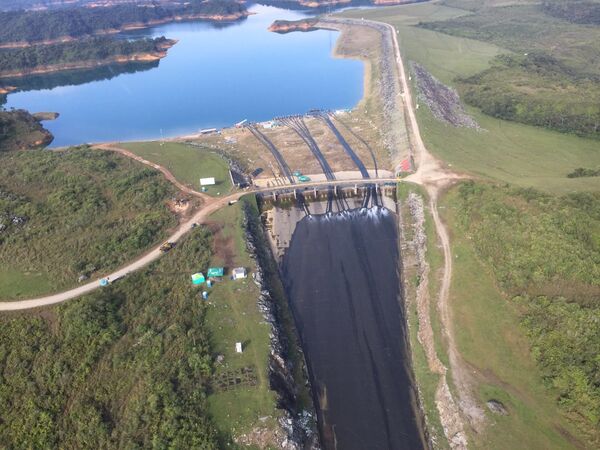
342 277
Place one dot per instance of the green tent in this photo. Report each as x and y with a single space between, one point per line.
198 278
215 272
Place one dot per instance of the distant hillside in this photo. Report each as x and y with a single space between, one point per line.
13 5
23 28
577 11
83 54
552 77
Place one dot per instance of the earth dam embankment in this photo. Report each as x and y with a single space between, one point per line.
341 272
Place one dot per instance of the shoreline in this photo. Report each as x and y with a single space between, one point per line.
141 57
130 27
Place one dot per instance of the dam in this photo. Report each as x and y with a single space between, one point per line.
340 263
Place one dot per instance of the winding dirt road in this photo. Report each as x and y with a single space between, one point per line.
432 174
209 206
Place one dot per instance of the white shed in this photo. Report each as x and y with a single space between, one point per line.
207 181
239 273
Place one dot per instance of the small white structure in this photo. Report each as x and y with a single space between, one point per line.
238 347
207 181
239 273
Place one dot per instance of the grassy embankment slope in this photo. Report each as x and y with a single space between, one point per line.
72 213
133 365
506 151
552 76
187 163
233 316
490 336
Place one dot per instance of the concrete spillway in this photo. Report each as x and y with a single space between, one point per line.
341 273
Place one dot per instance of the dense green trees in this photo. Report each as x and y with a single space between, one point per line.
126 367
539 90
584 172
92 49
34 26
19 130
545 253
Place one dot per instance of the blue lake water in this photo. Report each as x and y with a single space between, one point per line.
213 77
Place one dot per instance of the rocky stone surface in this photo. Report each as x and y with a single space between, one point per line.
298 426
443 101
497 407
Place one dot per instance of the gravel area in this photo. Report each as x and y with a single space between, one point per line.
443 101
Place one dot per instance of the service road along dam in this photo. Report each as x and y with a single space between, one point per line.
341 269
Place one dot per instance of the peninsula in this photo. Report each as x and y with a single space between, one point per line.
84 54
19 29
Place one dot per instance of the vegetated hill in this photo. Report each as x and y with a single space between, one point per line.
19 130
558 65
125 367
539 90
64 214
48 25
544 252
98 50
578 11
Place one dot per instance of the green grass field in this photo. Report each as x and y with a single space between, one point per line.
490 332
84 213
233 316
187 163
505 151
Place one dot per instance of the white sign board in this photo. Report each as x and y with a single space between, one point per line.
207 181
238 347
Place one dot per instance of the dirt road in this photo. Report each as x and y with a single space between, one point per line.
200 217
432 174
209 206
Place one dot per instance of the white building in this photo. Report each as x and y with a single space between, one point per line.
239 273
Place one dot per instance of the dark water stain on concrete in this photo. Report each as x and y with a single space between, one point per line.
342 276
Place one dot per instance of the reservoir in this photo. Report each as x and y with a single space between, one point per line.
215 76
341 274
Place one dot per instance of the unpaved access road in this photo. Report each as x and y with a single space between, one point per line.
209 206
432 174
200 217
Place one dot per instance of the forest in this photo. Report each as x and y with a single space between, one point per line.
47 25
91 49
578 11
126 367
19 130
536 89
